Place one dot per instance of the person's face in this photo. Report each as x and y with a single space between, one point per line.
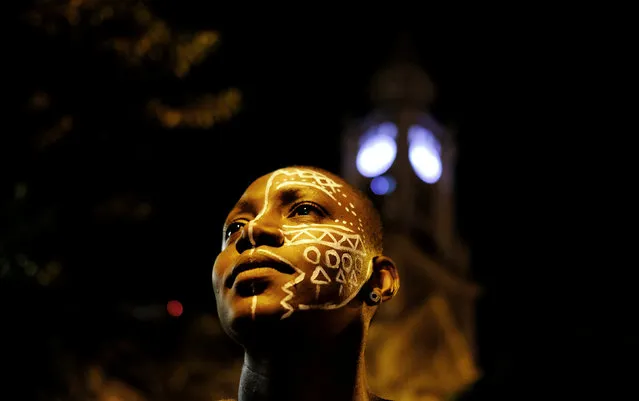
294 242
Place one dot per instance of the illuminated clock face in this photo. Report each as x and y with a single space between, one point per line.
377 150
424 154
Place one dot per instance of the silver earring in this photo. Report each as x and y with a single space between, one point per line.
375 296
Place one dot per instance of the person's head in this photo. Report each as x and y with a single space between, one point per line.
301 254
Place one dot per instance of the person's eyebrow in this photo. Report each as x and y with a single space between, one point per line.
289 195
245 206
284 197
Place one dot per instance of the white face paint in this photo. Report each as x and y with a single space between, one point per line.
332 254
338 256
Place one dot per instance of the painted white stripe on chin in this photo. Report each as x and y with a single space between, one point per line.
253 306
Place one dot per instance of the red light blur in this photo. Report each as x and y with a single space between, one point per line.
174 308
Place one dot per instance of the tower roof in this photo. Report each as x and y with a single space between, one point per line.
402 82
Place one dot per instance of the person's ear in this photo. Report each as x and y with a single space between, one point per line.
384 279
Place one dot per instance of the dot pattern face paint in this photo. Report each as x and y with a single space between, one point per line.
335 250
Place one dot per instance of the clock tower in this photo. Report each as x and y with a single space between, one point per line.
404 159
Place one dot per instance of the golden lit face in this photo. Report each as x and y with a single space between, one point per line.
293 242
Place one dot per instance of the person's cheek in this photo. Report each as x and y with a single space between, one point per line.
350 274
334 274
218 271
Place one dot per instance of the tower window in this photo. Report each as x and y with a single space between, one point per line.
377 150
424 154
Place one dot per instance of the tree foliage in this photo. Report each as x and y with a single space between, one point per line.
102 84
108 92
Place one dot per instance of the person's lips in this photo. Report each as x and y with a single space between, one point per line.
256 262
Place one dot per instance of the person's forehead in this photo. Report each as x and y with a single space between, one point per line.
307 181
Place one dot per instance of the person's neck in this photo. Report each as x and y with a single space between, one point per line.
333 370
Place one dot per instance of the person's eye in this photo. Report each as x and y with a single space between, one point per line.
307 209
233 228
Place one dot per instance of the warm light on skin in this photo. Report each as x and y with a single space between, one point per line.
301 239
324 244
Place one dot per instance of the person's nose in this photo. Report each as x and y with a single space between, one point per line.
257 233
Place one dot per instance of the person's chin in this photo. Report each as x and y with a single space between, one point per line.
246 310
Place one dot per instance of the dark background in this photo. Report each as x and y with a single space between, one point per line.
515 89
